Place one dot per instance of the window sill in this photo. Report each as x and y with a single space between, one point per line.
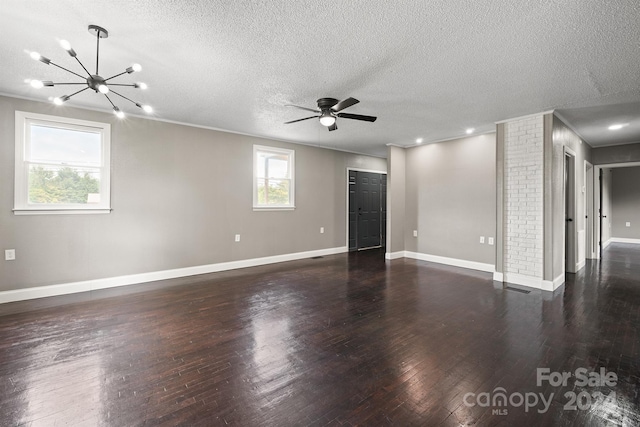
274 208
60 211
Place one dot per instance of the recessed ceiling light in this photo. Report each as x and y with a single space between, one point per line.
618 126
419 140
470 131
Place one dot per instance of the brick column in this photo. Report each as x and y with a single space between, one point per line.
524 173
520 256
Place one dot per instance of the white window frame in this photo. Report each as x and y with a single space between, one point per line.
22 162
291 159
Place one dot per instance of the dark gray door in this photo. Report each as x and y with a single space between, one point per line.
367 209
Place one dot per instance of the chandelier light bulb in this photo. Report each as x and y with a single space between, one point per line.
147 108
58 101
103 88
67 46
119 114
135 68
36 84
37 57
140 85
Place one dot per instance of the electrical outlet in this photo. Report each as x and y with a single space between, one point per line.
9 254
415 233
628 224
237 237
482 239
491 240
321 230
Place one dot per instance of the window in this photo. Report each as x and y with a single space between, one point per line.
273 173
62 165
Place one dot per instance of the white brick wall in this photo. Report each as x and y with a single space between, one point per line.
523 197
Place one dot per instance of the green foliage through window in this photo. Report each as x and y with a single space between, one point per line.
65 185
274 192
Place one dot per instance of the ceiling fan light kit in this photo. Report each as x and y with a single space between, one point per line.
95 81
329 110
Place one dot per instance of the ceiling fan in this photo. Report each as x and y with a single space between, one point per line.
329 110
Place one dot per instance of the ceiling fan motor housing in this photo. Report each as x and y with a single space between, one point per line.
326 103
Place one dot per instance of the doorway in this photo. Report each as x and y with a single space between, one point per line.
367 209
570 211
590 241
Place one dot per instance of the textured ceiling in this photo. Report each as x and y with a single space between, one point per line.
426 69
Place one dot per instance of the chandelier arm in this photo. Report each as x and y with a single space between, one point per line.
109 99
69 71
82 65
122 96
75 93
117 75
58 84
121 84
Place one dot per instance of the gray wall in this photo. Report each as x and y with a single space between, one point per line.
451 198
625 202
562 137
179 194
616 154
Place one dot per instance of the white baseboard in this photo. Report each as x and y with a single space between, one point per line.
498 277
534 282
623 240
473 265
558 281
394 255
581 265
133 279
607 243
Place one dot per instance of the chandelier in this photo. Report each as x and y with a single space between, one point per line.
94 81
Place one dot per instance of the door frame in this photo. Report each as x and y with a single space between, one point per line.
590 247
596 200
346 214
570 227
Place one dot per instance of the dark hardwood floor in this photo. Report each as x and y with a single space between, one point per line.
344 340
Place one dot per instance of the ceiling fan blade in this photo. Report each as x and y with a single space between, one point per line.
299 120
357 117
345 103
303 108
333 127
